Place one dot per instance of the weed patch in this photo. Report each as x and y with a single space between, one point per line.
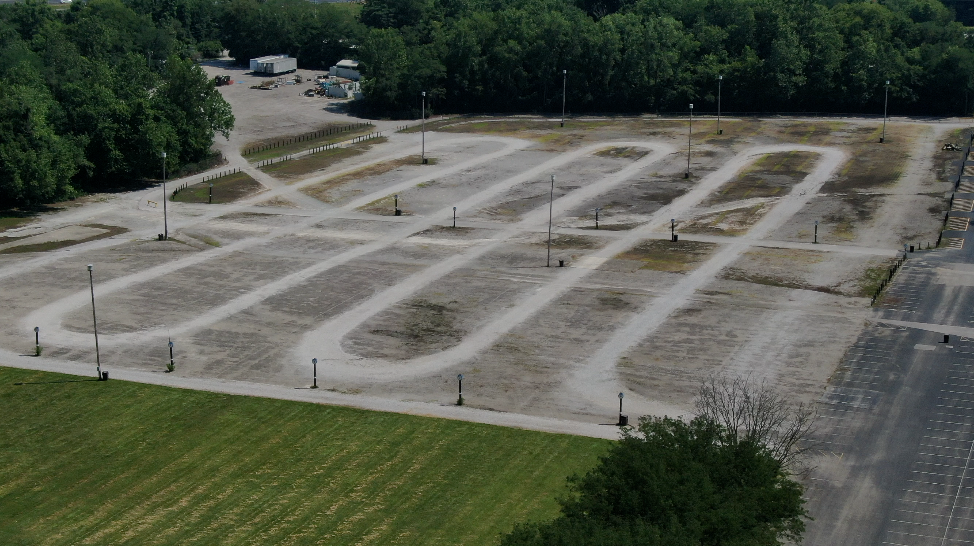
664 255
226 189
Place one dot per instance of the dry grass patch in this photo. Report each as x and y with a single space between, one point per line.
426 325
623 152
109 231
278 202
944 166
574 242
873 165
664 255
294 168
781 281
770 176
322 190
226 189
736 221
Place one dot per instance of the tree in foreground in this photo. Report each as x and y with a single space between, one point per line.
673 482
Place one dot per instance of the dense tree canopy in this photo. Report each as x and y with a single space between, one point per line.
89 98
659 55
677 483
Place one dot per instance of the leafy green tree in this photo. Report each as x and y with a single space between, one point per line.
36 163
193 108
672 482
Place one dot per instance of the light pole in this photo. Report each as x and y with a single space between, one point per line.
621 395
551 201
672 229
564 87
165 214
314 373
689 136
424 128
396 210
885 109
172 362
94 320
720 81
37 341
597 217
211 193
460 389
816 233
454 217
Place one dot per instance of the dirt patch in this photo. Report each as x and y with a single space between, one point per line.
623 152
107 231
315 162
874 165
426 325
782 281
663 255
736 221
278 202
945 166
771 175
322 190
574 242
226 189
854 210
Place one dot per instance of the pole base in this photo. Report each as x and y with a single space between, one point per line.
426 161
881 139
686 174
314 386
720 131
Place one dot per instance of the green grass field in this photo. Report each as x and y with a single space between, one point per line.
87 462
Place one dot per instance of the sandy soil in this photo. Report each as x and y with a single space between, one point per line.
394 307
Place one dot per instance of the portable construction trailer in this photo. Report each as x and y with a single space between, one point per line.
346 68
273 64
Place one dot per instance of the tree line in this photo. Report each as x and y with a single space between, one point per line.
661 55
91 96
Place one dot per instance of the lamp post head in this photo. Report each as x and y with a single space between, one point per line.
621 395
552 178
211 184
454 209
460 376
37 329
164 155
314 360
597 209
396 196
170 344
816 222
564 72
691 106
887 82
90 267
424 93
721 77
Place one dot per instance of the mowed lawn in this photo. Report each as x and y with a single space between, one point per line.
87 462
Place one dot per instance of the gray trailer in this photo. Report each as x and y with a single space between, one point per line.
273 65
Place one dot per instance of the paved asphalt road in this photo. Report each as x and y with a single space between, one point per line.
896 423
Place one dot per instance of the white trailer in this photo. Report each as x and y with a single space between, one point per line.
273 65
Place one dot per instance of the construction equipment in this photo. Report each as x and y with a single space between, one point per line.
221 80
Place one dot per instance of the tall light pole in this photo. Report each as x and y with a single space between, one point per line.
885 109
720 81
424 128
621 395
460 388
551 201
94 320
597 209
165 214
815 240
314 373
689 136
564 87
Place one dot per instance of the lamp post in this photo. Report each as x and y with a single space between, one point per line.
597 209
882 139
454 217
720 81
551 200
165 214
396 210
564 87
424 128
689 136
314 373
172 362
460 389
672 229
37 341
815 240
621 395
211 193
94 320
